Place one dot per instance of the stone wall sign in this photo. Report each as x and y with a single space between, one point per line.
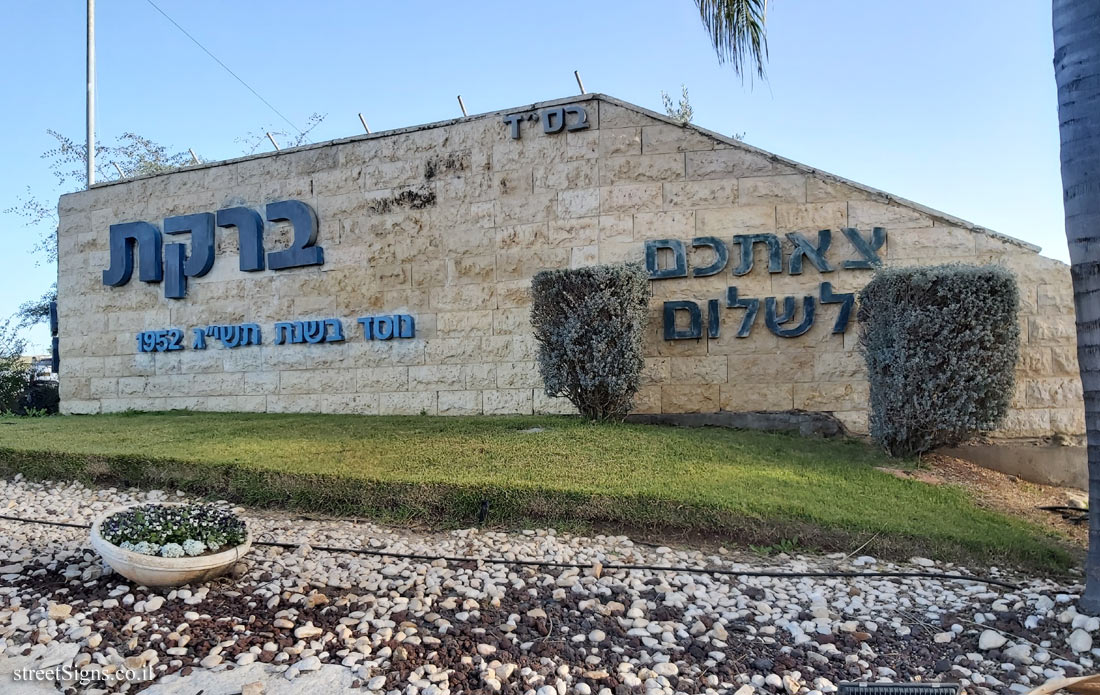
553 120
780 321
756 263
178 264
310 332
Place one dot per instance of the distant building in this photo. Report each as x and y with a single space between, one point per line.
40 368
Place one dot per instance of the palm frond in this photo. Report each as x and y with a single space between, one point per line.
737 31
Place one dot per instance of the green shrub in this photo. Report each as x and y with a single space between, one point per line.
13 370
941 345
589 324
38 398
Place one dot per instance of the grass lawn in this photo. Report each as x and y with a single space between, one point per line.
748 487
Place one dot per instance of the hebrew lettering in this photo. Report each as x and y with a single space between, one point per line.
844 299
303 250
652 259
804 249
746 242
775 321
721 255
867 249
751 307
694 330
250 236
122 241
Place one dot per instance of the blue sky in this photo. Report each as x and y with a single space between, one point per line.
948 103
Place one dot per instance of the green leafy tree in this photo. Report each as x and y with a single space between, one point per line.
129 156
36 311
14 375
132 154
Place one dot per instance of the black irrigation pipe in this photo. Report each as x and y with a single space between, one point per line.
583 565
43 521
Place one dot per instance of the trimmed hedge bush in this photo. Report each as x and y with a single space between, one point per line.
941 345
590 323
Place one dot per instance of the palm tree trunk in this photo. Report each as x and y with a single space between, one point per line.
1077 72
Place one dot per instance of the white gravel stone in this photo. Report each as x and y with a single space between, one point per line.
1020 653
1079 641
666 669
310 663
991 639
376 683
308 631
59 611
364 639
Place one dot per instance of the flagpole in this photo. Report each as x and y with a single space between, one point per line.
91 93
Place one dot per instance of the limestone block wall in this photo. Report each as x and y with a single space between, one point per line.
449 222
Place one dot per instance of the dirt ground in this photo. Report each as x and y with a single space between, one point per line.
1004 493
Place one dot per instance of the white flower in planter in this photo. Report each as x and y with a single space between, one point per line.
146 548
184 538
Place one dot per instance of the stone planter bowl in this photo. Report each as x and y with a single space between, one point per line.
154 570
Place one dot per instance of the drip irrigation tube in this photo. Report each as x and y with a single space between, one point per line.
587 565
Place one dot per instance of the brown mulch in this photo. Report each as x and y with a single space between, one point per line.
1003 493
